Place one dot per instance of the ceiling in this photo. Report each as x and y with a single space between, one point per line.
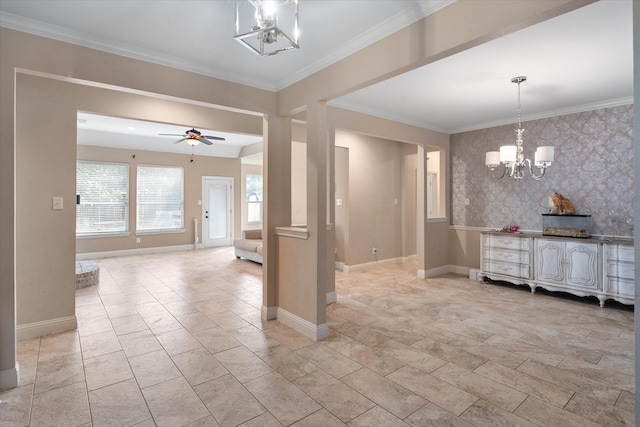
117 132
578 61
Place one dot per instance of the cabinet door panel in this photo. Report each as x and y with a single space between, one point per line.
582 264
549 265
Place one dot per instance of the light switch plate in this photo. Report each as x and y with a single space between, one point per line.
57 203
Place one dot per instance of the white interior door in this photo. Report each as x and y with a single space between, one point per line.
217 211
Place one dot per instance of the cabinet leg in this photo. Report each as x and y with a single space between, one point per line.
602 300
533 288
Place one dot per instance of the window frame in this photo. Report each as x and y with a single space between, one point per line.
259 202
124 204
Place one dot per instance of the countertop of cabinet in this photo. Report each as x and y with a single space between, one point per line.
593 239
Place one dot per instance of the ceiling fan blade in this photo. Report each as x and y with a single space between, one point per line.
215 138
171 134
180 140
205 141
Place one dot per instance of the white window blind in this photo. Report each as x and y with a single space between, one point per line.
160 198
254 198
103 193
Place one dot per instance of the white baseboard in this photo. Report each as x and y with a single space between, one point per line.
444 269
458 269
269 313
432 272
306 328
368 265
331 297
409 258
128 252
46 327
9 378
361 267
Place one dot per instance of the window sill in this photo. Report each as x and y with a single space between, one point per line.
101 235
167 231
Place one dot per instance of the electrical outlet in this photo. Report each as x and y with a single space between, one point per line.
137 240
374 250
57 203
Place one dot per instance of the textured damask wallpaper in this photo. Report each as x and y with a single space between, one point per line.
593 167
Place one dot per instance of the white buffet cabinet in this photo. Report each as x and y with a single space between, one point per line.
582 267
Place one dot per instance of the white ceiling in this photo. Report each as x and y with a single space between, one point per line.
116 132
575 62
579 61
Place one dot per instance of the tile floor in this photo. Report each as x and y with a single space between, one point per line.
176 339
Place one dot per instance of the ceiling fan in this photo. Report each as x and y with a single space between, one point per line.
194 137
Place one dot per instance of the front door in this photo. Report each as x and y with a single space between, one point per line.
217 211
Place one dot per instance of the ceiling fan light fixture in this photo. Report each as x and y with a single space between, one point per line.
194 137
267 27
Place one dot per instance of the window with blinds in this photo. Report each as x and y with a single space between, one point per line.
254 198
102 190
160 198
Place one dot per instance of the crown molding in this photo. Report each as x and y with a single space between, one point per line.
42 29
386 115
393 24
618 102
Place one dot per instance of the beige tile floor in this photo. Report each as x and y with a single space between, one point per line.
176 339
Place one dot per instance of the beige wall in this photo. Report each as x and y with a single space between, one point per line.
396 233
298 183
387 129
45 167
464 248
193 173
409 199
297 294
342 210
362 177
375 197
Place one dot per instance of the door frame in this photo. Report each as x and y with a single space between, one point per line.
205 226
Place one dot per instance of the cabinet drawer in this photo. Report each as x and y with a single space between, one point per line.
620 269
620 286
508 242
509 269
620 252
507 255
